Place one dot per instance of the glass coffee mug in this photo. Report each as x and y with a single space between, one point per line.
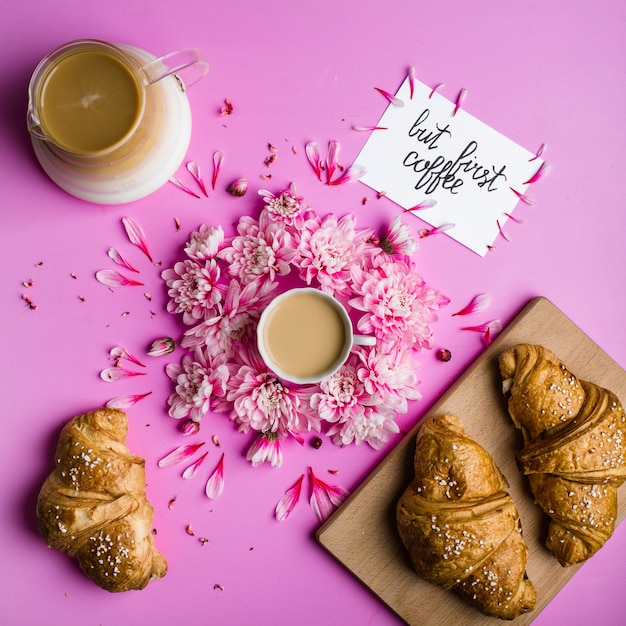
305 335
111 123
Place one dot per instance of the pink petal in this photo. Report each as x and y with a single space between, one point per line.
215 484
522 197
112 278
312 151
182 453
539 152
540 173
494 327
117 353
411 81
478 303
178 183
325 496
434 89
120 260
113 374
332 160
427 232
190 472
426 204
459 101
136 235
368 128
392 99
501 231
288 502
194 169
353 173
218 159
125 402
515 219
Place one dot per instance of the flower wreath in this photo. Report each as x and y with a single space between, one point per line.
222 286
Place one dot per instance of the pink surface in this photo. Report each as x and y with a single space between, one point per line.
295 72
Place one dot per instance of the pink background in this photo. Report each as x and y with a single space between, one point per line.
548 71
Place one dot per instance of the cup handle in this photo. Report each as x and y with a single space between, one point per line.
189 59
363 340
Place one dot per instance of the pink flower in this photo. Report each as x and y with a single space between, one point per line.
234 321
161 347
215 484
288 502
262 402
325 496
328 249
205 243
373 426
192 287
286 207
390 378
265 448
197 380
399 307
398 239
262 250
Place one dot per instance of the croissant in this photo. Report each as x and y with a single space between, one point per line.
573 454
459 525
93 505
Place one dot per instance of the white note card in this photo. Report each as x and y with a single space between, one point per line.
467 171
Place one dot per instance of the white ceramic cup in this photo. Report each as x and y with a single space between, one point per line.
289 343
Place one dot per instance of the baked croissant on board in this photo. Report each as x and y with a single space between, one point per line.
574 453
93 506
459 525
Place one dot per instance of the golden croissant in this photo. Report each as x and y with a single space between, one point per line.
574 434
459 525
93 506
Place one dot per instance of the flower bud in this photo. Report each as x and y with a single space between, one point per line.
238 187
163 346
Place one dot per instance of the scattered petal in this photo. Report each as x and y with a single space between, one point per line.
269 161
238 188
501 231
218 159
325 496
190 472
427 232
368 128
493 326
215 484
170 504
161 347
216 441
390 97
426 204
31 305
112 278
434 89
332 159
136 235
459 100
540 173
189 530
194 169
352 174
539 152
288 502
411 81
176 224
178 183
522 197
312 151
478 303
511 217
203 540
118 353
120 260
125 402
113 374
182 453
227 109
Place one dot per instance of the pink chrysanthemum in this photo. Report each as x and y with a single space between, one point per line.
286 207
327 250
192 287
264 403
398 305
374 425
205 243
265 448
262 250
197 380
235 320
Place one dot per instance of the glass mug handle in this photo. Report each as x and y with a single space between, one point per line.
190 60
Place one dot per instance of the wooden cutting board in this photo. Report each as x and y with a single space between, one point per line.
362 534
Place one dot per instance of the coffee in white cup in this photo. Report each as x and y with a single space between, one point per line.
305 335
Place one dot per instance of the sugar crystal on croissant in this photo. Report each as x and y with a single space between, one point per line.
93 506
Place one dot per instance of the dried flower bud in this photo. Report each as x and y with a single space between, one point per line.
190 427
444 355
238 187
317 443
163 346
